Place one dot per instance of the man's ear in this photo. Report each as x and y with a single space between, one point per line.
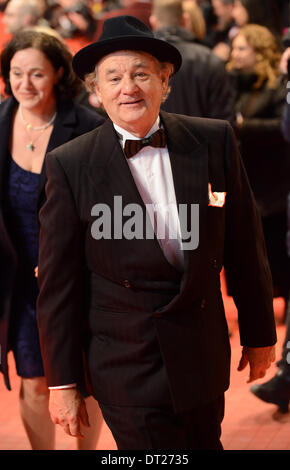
166 72
165 79
98 92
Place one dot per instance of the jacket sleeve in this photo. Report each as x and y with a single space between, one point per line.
271 123
60 305
246 261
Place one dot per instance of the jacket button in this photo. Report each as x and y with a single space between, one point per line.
126 283
202 304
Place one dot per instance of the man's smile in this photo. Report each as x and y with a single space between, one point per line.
132 103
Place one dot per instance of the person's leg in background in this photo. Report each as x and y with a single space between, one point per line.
40 430
277 390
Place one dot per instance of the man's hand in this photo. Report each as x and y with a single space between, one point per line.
222 50
259 360
67 408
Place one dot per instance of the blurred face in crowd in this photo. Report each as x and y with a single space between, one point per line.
131 85
32 79
240 13
15 17
223 10
12 17
243 54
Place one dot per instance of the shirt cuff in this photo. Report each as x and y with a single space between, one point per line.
61 387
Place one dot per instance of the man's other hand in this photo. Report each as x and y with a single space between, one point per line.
259 359
67 408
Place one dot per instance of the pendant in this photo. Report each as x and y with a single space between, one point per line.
30 146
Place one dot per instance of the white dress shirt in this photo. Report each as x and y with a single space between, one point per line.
151 170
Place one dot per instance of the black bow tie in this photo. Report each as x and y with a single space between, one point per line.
158 139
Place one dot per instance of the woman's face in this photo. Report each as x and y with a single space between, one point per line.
32 79
243 55
240 14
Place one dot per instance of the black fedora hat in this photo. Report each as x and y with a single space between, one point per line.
124 33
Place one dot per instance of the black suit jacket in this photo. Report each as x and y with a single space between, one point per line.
72 120
154 333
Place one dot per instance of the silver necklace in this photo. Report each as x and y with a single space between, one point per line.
40 128
30 146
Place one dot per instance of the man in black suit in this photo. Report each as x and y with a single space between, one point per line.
134 235
202 87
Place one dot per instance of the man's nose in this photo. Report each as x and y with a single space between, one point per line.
129 86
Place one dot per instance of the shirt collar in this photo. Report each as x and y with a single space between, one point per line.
124 135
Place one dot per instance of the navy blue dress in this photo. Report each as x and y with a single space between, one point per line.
23 227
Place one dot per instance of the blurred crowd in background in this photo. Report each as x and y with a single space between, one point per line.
79 22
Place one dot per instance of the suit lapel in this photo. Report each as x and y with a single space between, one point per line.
189 163
111 165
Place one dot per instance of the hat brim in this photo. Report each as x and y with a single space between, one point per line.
85 60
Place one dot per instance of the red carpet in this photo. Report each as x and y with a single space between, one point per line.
249 423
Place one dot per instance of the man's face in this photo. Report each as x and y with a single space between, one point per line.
222 10
12 17
130 85
240 13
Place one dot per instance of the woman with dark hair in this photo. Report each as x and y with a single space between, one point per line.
263 12
260 101
39 115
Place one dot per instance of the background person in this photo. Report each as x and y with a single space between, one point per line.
141 9
266 13
20 14
220 36
193 19
39 115
75 22
277 389
261 94
202 86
